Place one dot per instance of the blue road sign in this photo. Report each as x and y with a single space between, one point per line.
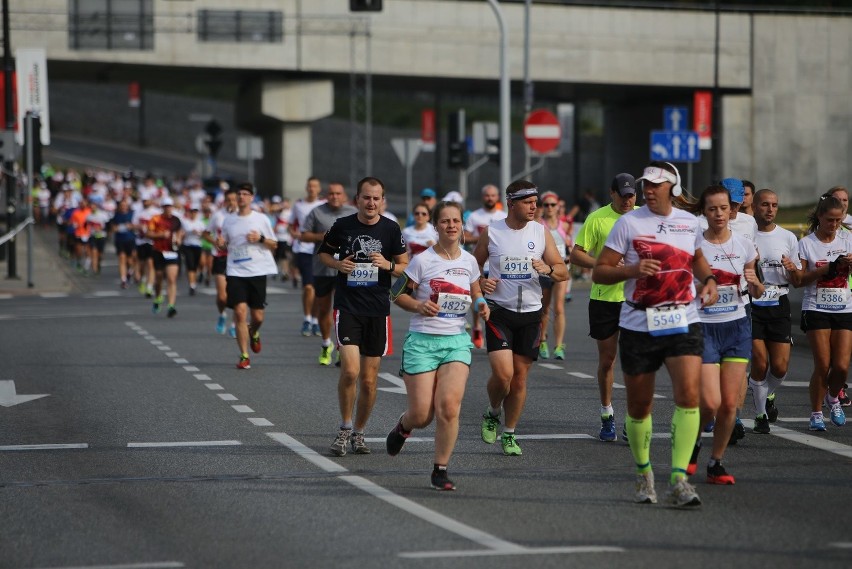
675 146
675 118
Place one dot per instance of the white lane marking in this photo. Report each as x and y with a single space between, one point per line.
45 447
153 341
260 422
157 565
181 361
172 354
841 544
104 293
309 454
524 551
794 419
214 386
408 440
54 295
164 348
796 384
6 296
186 444
580 375
812 441
202 377
551 366
100 315
227 397
242 408
555 436
190 368
620 386
396 380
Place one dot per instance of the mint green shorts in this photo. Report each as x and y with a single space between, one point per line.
422 353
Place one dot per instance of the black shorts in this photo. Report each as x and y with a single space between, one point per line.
127 247
192 257
816 320
98 243
643 353
144 251
545 282
281 251
247 290
772 323
160 262
324 286
220 265
305 264
516 331
603 319
371 333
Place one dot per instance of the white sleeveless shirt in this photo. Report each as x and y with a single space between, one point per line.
510 255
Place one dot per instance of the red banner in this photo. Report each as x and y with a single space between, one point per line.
427 126
703 113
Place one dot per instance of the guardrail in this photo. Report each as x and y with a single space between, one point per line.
20 227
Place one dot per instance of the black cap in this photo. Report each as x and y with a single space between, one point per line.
624 184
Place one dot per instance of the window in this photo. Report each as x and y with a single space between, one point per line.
111 24
240 26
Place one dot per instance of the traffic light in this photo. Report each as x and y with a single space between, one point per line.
35 129
214 137
456 139
365 5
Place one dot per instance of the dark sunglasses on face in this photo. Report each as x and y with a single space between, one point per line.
550 205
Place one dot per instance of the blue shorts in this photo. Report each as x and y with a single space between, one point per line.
727 341
305 264
422 353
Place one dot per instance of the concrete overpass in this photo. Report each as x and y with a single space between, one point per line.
785 77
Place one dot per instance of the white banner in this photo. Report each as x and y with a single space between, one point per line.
31 68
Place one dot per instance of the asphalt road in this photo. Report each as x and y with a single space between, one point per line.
88 479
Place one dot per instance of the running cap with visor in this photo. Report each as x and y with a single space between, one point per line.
657 175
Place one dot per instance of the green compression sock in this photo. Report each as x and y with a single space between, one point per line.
639 437
685 424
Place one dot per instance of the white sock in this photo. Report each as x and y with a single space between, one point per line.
774 382
607 410
759 392
314 321
495 412
308 319
326 342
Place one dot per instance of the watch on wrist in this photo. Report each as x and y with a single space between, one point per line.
262 239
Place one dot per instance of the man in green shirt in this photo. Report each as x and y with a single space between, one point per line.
605 300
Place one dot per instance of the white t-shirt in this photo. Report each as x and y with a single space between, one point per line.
482 218
446 283
418 240
248 259
299 212
193 228
826 295
772 245
672 240
510 255
727 261
743 224
141 218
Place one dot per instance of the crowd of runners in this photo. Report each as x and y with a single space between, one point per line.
699 283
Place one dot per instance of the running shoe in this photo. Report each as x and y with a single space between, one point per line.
191 291
244 363
838 417
844 399
172 312
510 445
645 492
337 358
738 432
624 434
155 308
817 423
771 409
255 344
440 481
220 324
717 474
682 495
341 441
123 284
325 355
761 425
693 460
141 288
607 433
708 428
489 427
477 338
543 350
315 330
306 328
232 331
396 438
358 444
559 352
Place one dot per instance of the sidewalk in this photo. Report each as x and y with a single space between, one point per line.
50 272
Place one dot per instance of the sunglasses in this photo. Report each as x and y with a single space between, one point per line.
550 204
419 213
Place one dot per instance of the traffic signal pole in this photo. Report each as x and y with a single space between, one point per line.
8 154
505 126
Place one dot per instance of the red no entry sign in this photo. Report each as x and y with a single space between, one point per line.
542 131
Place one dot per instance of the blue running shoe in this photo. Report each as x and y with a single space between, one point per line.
708 428
315 330
232 331
838 417
624 434
817 424
607 433
220 324
306 328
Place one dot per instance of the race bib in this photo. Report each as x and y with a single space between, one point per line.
170 255
515 267
364 274
453 305
667 320
771 295
729 299
240 254
832 298
121 227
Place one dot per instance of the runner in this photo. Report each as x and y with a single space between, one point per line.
771 324
517 252
98 221
655 251
122 231
370 251
826 254
605 300
194 228
220 260
420 234
303 252
143 214
250 241
553 293
436 355
166 232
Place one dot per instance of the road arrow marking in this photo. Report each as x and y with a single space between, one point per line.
8 397
400 385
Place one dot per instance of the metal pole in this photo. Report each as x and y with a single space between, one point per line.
715 122
251 169
505 126
8 163
408 179
528 86
28 126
